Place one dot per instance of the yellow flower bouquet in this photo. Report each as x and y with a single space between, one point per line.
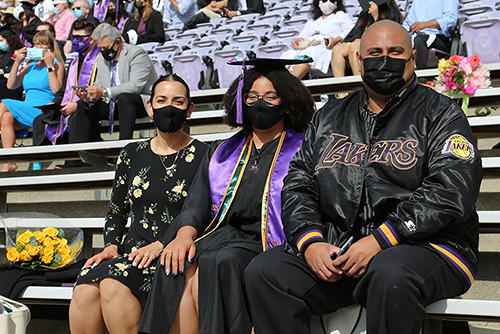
43 248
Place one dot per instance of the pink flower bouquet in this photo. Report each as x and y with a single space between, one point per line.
462 76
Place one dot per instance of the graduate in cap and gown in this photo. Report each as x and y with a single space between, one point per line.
233 211
52 125
30 21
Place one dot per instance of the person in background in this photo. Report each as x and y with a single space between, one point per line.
176 12
30 21
43 9
42 78
429 23
81 10
81 71
114 285
125 75
118 17
233 210
63 21
329 19
46 26
9 43
350 44
147 25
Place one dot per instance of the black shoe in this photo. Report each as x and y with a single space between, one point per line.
496 146
72 164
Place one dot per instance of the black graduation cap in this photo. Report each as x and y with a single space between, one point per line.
27 5
6 30
365 4
270 63
49 107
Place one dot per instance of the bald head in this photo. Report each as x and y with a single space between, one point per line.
385 30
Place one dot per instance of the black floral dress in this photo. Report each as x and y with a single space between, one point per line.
152 192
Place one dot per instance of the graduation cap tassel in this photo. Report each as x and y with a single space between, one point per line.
239 96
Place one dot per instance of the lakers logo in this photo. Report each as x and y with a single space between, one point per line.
459 147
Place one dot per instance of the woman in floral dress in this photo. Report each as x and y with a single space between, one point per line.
151 183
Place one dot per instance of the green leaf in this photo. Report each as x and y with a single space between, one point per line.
61 233
58 258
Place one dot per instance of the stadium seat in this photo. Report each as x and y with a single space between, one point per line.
187 37
295 22
482 37
285 34
171 31
273 49
170 46
149 47
237 23
191 67
282 9
222 33
206 42
303 12
227 73
250 16
273 18
475 8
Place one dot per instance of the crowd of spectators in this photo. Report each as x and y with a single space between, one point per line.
122 71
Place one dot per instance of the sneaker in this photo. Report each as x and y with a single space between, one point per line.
37 166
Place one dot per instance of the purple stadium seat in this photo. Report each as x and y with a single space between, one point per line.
227 73
169 46
171 31
352 10
273 49
206 42
149 47
482 37
295 22
187 37
200 29
237 23
245 39
190 67
245 46
285 34
263 34
282 9
272 18
250 16
473 8
222 33
219 21
160 70
303 12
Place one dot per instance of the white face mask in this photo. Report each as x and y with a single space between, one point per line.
327 7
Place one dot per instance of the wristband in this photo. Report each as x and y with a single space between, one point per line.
159 250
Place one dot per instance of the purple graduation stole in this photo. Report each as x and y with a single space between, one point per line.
101 9
121 24
85 77
226 169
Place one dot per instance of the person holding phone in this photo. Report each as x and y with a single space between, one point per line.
42 77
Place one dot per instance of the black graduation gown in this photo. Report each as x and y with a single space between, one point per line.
6 62
222 255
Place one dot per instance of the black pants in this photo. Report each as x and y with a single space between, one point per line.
420 44
399 283
84 123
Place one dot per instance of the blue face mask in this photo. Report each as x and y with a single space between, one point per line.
34 54
4 47
78 13
71 1
56 11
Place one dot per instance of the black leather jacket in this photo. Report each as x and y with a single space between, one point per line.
421 170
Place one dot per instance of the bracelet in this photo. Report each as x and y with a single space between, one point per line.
159 250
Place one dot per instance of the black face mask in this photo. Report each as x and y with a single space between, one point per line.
139 5
111 13
169 119
262 115
109 54
384 75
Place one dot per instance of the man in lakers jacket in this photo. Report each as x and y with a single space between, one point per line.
393 166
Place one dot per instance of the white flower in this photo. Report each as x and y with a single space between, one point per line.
145 225
184 193
119 160
192 149
133 249
136 180
189 157
169 173
125 274
145 271
137 193
145 185
152 269
84 272
150 211
121 266
177 189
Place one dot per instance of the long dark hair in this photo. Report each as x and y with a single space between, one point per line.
316 12
295 98
386 11
13 41
170 77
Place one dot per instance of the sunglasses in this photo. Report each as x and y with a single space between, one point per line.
80 38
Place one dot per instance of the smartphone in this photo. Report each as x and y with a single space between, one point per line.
326 41
82 87
345 247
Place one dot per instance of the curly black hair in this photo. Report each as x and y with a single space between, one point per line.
295 98
316 12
